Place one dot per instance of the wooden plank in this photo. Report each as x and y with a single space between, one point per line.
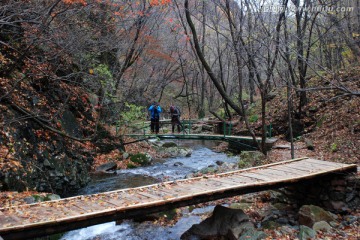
213 185
237 179
221 183
116 203
310 167
149 195
308 164
165 193
24 214
326 163
90 207
10 221
61 211
123 199
135 198
101 204
130 198
185 188
191 188
10 218
279 173
256 176
275 176
289 170
51 213
226 182
261 167
176 190
301 168
241 179
217 182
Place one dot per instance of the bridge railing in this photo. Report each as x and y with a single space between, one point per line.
224 128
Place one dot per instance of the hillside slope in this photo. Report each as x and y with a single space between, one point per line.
330 121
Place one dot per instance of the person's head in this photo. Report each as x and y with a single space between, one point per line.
172 108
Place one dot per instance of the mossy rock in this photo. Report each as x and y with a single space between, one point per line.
270 224
250 159
169 144
309 214
208 170
47 197
241 205
141 159
131 165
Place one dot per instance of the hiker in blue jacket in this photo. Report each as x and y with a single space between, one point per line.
155 111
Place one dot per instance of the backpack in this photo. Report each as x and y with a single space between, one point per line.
156 113
175 111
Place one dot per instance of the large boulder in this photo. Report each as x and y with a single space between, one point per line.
70 124
306 233
310 214
250 159
169 144
176 152
106 167
322 226
143 159
224 223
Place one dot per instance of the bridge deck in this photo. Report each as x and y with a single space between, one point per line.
201 136
27 221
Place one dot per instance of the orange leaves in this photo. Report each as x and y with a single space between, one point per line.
158 54
159 2
82 2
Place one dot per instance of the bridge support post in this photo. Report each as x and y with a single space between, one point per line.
269 130
224 126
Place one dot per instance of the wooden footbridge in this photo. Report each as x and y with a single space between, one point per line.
244 141
142 132
45 218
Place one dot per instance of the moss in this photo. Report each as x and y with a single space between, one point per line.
320 122
243 164
253 118
333 147
37 198
169 215
139 158
169 144
47 198
131 165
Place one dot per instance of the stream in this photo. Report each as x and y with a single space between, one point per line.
170 169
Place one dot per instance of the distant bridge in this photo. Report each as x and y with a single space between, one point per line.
244 141
141 132
45 218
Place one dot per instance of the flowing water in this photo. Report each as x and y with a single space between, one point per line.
171 169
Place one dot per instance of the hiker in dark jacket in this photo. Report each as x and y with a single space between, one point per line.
155 111
175 118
